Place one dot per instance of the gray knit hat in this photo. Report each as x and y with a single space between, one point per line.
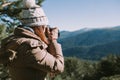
32 14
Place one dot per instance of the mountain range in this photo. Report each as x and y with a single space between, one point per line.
91 44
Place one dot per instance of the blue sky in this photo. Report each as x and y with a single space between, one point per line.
76 14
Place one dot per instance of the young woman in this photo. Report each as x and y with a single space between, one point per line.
34 49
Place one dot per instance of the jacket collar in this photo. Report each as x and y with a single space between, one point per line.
21 32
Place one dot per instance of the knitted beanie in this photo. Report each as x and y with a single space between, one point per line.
32 14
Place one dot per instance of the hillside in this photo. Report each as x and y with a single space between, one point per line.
86 43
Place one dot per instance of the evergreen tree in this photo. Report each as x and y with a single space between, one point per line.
9 13
12 7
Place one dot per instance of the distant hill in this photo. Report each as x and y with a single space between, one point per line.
91 43
65 34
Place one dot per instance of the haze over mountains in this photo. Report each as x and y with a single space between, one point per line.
91 44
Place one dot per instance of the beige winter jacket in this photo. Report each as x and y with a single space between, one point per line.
33 61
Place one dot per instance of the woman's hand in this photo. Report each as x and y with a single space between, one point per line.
52 33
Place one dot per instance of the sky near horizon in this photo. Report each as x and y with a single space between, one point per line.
76 14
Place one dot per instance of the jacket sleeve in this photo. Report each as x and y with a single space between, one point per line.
43 59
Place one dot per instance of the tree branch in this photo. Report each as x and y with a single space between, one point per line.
6 4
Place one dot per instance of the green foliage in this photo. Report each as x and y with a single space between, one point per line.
116 77
9 13
76 69
13 8
106 69
4 73
3 33
39 2
110 65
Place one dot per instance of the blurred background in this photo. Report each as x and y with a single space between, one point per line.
89 35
